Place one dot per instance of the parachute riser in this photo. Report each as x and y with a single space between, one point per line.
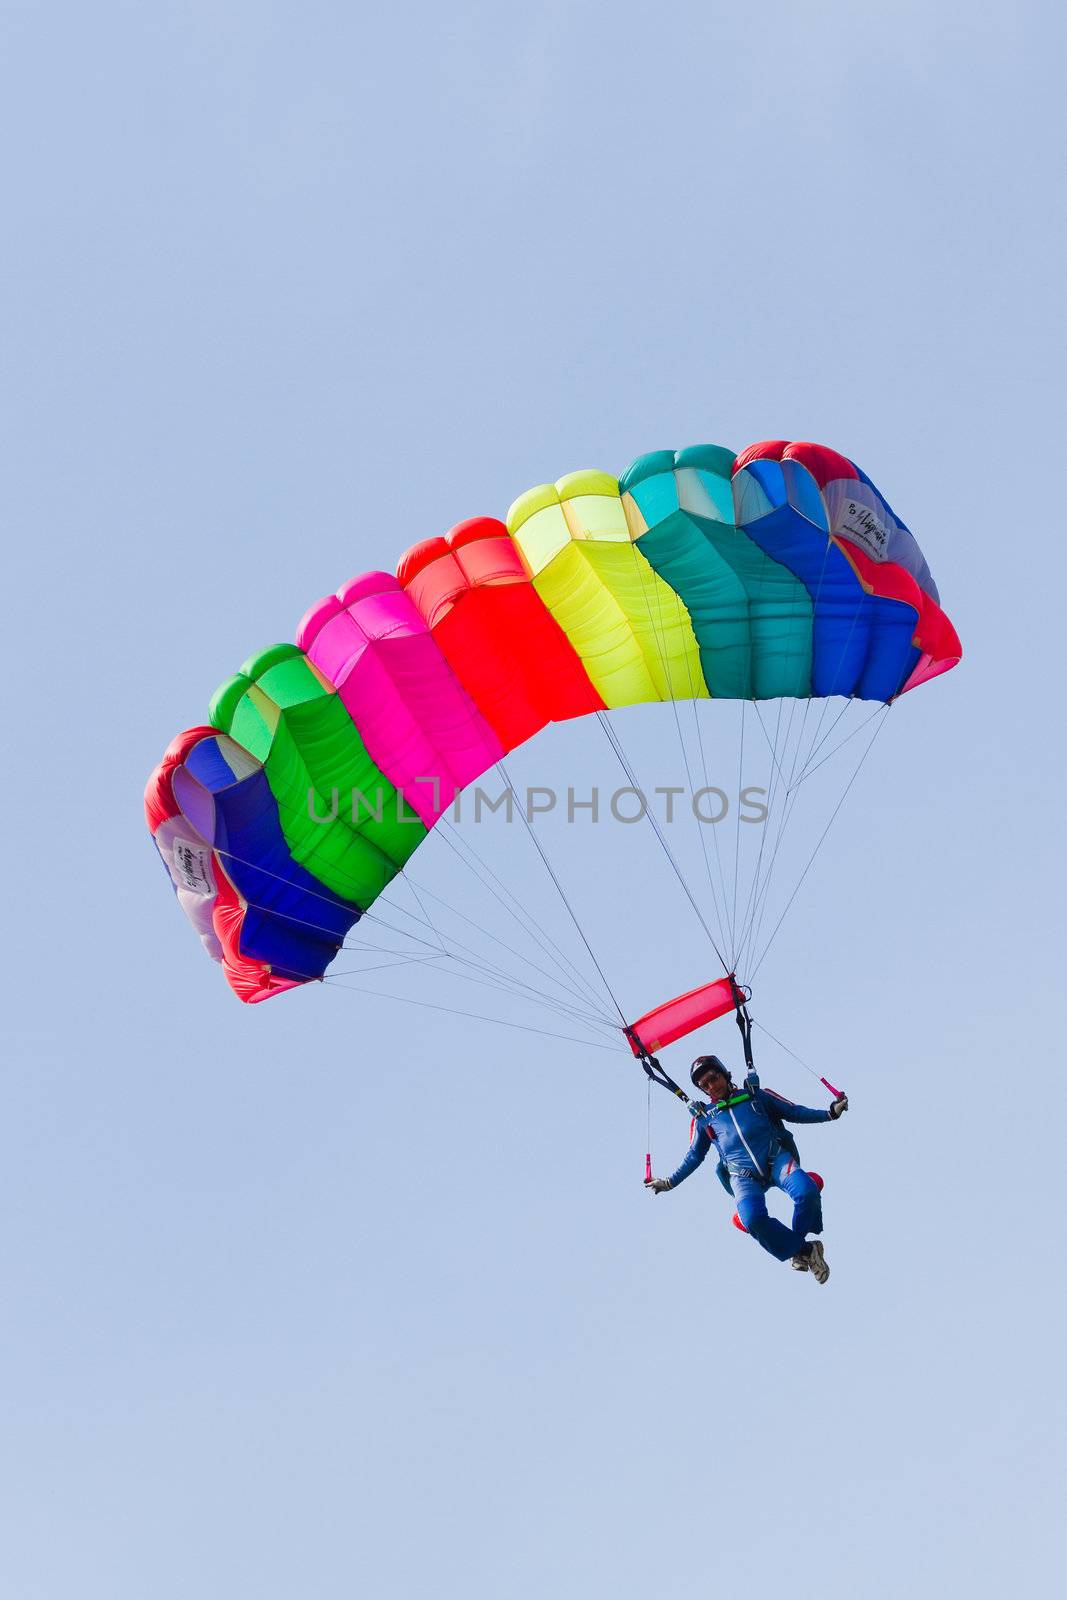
652 1068
742 994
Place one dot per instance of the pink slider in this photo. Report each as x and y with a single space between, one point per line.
675 1018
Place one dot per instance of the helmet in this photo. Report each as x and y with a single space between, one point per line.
704 1064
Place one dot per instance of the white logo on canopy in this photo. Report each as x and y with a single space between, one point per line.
191 864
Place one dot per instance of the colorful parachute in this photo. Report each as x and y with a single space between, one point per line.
781 572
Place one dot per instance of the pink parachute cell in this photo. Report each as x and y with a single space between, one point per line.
417 721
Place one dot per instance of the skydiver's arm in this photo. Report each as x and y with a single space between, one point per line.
699 1148
779 1106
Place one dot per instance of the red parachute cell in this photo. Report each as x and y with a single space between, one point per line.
490 624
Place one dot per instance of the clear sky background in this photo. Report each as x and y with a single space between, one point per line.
333 1296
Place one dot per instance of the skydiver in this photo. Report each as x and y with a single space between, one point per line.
756 1152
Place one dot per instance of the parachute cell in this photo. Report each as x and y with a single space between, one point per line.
419 724
476 597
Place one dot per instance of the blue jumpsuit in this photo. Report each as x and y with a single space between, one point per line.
757 1152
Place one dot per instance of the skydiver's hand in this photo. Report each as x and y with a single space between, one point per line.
839 1107
699 1108
659 1185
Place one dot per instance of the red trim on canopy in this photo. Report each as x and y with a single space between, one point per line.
159 802
250 980
939 643
824 464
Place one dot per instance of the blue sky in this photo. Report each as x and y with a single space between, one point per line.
333 1295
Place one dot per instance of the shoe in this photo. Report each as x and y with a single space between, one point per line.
799 1263
817 1263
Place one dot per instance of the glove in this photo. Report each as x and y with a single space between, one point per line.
839 1106
699 1108
659 1185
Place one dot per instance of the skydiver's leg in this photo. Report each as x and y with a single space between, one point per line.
778 1240
807 1201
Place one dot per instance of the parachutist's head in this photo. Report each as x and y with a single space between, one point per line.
710 1076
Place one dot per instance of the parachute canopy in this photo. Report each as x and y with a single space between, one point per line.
780 572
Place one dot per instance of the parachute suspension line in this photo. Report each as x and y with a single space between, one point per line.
628 770
776 782
760 897
495 940
550 1001
475 1016
403 957
798 1059
786 795
518 912
795 782
509 982
815 732
783 794
642 567
833 682
365 916
764 898
879 725
798 625
772 745
786 810
494 976
426 917
737 837
832 689
319 927
816 741
787 803
514 989
502 769
841 745
506 983
382 966
700 827
775 821
499 986
807 704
